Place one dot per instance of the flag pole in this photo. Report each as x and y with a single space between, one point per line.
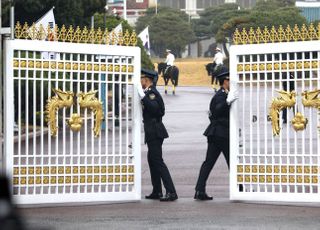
125 9
156 6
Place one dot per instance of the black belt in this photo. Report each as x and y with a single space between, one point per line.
152 120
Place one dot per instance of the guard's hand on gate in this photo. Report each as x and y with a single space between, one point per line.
232 96
140 91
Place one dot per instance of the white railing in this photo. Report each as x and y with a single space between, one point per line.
266 165
73 166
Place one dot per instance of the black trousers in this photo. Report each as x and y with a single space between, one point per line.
158 169
216 145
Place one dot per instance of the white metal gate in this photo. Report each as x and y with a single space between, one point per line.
273 160
72 121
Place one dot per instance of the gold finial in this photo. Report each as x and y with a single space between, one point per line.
41 35
105 37
244 36
91 36
266 35
236 37
18 29
273 35
113 38
77 35
296 33
84 35
120 38
303 33
252 38
289 34
25 31
281 34
33 32
74 34
98 37
56 33
70 32
133 39
126 38
259 36
312 32
63 34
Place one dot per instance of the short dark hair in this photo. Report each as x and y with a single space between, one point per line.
221 80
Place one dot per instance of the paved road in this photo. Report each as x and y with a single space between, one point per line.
184 152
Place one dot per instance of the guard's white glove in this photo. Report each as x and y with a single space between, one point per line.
140 90
232 96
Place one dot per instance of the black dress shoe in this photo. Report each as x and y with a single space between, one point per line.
202 196
154 196
169 197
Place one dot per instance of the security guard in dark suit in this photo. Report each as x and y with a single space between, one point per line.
9 218
217 132
155 132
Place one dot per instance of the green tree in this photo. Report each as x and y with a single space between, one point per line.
213 18
260 16
111 23
221 21
168 29
68 12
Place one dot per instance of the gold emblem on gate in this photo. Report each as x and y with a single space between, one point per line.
288 100
285 100
66 100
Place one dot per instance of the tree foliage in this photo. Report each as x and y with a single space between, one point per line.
68 12
111 23
213 18
168 29
265 14
222 21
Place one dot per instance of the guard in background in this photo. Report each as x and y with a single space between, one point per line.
218 61
217 132
169 61
155 133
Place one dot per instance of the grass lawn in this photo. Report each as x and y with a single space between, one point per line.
192 72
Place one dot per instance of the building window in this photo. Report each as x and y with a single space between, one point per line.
139 1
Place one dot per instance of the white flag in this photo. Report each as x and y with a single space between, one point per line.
47 20
118 29
144 36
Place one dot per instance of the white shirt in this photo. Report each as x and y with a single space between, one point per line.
170 59
218 58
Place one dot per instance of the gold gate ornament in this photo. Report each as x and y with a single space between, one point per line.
65 100
287 100
59 101
299 122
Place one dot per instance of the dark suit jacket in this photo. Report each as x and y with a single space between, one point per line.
219 116
153 111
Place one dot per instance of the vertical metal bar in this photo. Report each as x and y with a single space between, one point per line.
8 109
35 153
125 9
1 95
12 22
92 21
43 155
